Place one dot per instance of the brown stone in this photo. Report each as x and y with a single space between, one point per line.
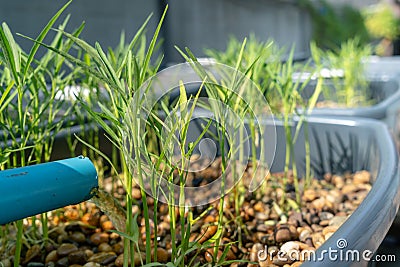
329 229
282 235
361 177
105 247
309 195
118 248
63 262
78 237
317 239
136 194
51 257
209 255
259 206
33 252
103 258
107 225
77 257
207 233
92 264
66 249
162 255
349 188
98 238
318 203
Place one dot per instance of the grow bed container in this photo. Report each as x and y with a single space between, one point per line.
337 146
71 128
71 125
384 92
353 144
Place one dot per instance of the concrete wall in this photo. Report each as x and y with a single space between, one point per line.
104 19
193 23
208 23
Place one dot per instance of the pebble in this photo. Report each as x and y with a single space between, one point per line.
77 257
289 246
89 253
316 227
136 194
107 225
103 218
103 258
6 263
51 257
295 218
35 264
266 239
209 219
361 177
105 247
66 249
282 235
33 252
209 255
309 195
262 228
63 262
259 207
293 232
325 215
349 188
162 255
302 245
281 261
207 233
317 239
304 234
329 229
98 238
312 218
91 219
338 181
265 263
72 214
119 261
92 264
318 203
261 216
114 235
78 237
118 248
328 235
324 222
337 221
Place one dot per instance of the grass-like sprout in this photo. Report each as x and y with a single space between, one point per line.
345 68
122 77
244 54
290 91
30 115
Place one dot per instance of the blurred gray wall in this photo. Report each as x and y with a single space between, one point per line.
104 18
193 23
209 23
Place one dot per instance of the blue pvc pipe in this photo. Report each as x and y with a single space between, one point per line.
35 189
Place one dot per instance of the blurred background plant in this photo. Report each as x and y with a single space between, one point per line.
345 80
383 26
335 24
